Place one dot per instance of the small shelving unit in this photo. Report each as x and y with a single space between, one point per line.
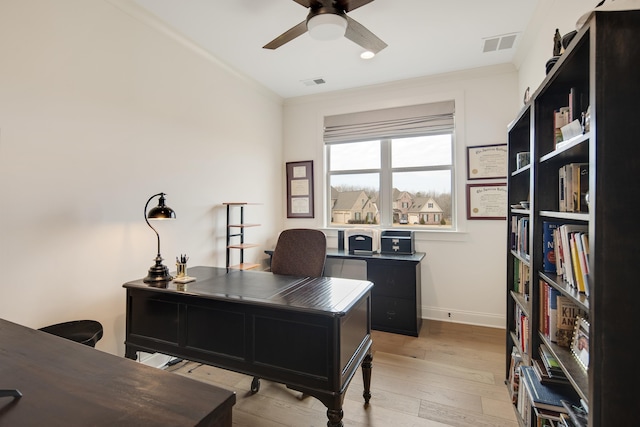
236 235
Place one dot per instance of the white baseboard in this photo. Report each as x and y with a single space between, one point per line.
465 317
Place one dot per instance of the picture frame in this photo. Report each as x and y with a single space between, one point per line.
300 189
487 201
580 342
487 162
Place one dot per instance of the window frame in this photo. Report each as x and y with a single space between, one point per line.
385 189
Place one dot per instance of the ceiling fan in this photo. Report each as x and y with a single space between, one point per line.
327 19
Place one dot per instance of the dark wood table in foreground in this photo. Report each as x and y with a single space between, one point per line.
64 383
310 334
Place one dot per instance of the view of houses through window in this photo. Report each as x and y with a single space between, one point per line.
401 182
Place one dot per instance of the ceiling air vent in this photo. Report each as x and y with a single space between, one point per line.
313 82
505 41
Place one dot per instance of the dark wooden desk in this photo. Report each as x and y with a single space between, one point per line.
309 334
396 298
64 383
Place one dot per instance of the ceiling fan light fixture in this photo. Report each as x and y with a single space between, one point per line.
367 54
327 26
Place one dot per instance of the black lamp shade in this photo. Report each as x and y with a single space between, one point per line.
161 212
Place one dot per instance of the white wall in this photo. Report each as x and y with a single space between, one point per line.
99 111
537 46
100 107
464 272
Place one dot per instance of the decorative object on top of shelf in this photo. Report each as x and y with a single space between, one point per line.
527 96
300 189
487 201
158 273
557 43
487 161
609 5
566 39
580 344
550 63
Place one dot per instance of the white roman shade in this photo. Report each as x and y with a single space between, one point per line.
413 120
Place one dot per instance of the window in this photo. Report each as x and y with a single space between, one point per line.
391 168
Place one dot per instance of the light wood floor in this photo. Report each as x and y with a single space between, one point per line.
451 375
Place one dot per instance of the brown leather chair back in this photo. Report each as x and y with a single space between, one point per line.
300 252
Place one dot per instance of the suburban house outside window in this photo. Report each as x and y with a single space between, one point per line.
392 167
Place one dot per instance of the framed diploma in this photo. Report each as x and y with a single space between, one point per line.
300 189
487 161
487 201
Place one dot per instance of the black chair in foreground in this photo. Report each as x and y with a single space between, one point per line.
87 332
298 252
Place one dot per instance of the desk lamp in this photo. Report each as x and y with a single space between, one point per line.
158 273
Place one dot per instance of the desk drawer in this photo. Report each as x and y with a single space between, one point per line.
393 314
393 280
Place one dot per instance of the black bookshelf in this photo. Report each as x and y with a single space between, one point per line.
601 67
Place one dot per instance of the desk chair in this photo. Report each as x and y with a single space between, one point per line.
299 252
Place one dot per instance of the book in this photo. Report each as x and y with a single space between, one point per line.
565 229
546 396
546 418
568 191
557 244
553 314
582 259
548 378
562 186
567 312
583 187
550 362
548 246
514 374
585 254
579 417
575 262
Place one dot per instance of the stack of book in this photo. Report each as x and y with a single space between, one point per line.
545 401
573 180
548 376
558 315
566 253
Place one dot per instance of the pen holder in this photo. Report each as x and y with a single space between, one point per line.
181 269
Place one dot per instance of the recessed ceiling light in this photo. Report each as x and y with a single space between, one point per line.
367 54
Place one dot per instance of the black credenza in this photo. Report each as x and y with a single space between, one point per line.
396 297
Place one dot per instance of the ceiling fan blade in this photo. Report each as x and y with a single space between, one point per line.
287 36
358 34
349 5
305 3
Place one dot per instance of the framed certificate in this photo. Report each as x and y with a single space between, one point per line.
300 189
487 161
487 201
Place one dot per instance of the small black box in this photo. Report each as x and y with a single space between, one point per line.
360 243
397 242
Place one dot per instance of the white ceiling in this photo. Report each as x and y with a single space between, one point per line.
424 37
